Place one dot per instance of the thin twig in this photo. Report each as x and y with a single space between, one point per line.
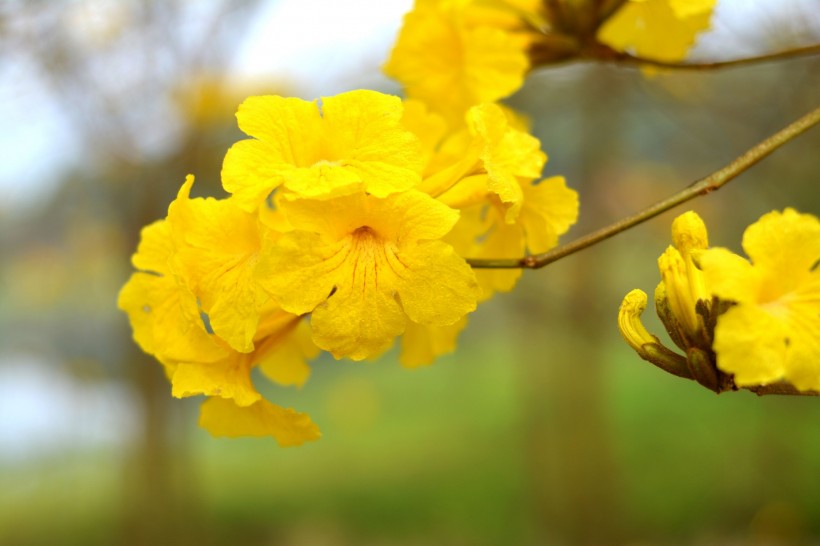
703 186
607 54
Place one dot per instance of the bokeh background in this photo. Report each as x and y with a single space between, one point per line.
543 428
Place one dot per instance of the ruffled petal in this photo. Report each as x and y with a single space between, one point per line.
222 417
300 270
250 173
286 362
729 276
216 250
228 378
786 244
290 127
439 288
751 344
357 323
657 29
550 208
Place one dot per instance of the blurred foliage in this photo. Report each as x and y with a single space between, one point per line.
542 428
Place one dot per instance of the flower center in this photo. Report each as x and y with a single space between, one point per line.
366 236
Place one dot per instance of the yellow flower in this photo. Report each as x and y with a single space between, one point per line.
163 312
282 347
663 30
216 247
547 210
168 323
454 55
364 265
351 142
235 408
490 148
773 333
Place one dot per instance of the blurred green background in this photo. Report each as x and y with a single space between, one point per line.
543 428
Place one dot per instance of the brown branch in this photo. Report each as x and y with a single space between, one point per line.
703 186
601 52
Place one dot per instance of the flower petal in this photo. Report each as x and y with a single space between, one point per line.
729 276
285 363
357 323
250 173
751 344
787 244
439 288
222 417
216 250
228 378
420 344
550 208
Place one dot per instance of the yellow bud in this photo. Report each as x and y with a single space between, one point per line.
689 233
629 320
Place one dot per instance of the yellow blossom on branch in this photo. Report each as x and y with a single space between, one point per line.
216 247
492 155
773 331
662 30
163 312
169 323
548 208
351 142
454 55
363 266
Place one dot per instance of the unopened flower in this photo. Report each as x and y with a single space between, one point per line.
684 305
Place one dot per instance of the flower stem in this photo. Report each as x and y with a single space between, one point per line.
703 186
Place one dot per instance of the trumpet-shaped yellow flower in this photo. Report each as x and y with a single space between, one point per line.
547 210
216 249
364 265
662 30
163 312
350 142
454 55
773 333
490 146
235 408
282 346
168 323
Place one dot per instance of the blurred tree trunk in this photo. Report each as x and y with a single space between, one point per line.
569 451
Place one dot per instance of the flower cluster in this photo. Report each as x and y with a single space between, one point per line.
453 54
347 225
740 323
351 219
